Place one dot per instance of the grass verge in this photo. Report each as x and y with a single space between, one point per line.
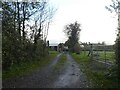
60 63
95 71
27 67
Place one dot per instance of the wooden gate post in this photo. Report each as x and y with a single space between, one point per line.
105 54
91 51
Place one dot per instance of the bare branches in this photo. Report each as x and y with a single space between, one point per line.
43 18
114 7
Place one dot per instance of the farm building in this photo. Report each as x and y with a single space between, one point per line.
53 47
97 47
58 47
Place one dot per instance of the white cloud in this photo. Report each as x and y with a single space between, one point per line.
97 23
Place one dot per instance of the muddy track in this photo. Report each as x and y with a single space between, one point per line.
39 78
70 76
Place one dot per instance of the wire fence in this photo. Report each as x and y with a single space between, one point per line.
107 57
101 53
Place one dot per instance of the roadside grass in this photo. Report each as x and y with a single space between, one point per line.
96 72
60 63
27 67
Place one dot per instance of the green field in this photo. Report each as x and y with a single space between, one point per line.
60 63
110 56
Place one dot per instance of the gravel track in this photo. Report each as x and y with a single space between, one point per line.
70 76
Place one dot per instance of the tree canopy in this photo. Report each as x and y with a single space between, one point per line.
24 31
72 31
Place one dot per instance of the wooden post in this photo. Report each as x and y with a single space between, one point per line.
105 54
84 49
91 51
97 51
48 46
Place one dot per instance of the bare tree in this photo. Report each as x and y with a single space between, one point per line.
42 19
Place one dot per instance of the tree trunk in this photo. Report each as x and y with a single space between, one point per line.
18 19
24 14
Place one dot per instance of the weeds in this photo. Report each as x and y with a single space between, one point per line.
95 71
27 67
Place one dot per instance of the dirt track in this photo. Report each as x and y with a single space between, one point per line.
70 76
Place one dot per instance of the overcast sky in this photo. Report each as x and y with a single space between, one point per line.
97 23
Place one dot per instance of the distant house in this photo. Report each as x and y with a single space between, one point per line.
53 47
58 47
62 47
65 48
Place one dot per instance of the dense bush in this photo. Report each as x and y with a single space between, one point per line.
117 53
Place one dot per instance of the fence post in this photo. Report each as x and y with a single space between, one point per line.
91 51
84 49
97 52
105 54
